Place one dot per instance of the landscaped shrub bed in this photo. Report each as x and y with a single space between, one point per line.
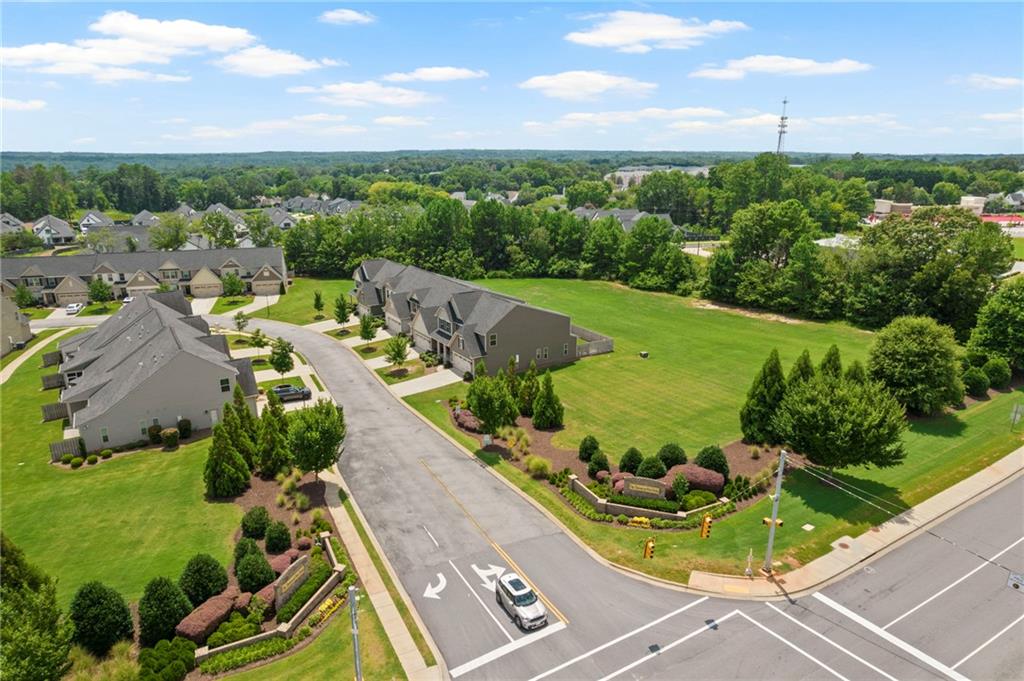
167 660
697 499
584 509
239 626
663 505
240 657
319 572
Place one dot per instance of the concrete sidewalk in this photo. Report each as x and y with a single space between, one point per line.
258 303
202 306
373 586
9 370
848 553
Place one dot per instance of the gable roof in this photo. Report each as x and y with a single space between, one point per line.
231 215
10 224
95 217
145 219
55 224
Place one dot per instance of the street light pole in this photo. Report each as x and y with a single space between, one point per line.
355 631
767 567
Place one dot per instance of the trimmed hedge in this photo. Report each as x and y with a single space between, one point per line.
588 447
106 453
162 606
976 382
202 577
185 428
713 458
279 538
237 627
998 371
631 460
700 478
663 505
584 509
255 522
169 436
598 462
253 572
244 547
671 454
697 498
76 462
154 434
101 618
92 459
319 572
240 657
167 661
651 467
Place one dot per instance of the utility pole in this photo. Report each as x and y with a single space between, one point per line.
783 124
355 631
767 567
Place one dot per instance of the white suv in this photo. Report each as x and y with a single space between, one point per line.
518 600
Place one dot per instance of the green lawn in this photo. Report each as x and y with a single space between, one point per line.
227 306
101 308
292 380
371 349
412 369
344 332
701 363
123 521
36 312
1018 248
15 354
331 653
940 452
296 306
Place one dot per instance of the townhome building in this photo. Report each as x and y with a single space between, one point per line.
14 327
151 363
198 273
460 322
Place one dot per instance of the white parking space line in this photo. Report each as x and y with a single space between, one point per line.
832 643
795 647
679 641
983 645
898 642
939 593
505 650
628 634
481 602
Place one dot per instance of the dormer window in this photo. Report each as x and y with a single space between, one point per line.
445 326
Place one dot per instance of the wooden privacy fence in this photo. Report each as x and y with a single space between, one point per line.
72 446
55 411
51 381
52 358
593 343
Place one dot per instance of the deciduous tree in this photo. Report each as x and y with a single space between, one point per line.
916 359
314 436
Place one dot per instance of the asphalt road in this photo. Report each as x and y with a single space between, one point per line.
937 607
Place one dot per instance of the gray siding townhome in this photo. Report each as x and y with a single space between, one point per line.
461 322
151 363
64 280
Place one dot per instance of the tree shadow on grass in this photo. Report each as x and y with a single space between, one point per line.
853 499
941 425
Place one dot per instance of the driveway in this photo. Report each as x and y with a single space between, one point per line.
449 528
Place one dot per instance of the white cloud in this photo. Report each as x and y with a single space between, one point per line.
434 74
583 85
984 81
364 94
83 140
401 121
133 40
602 119
737 69
346 16
263 62
177 120
639 32
9 104
305 124
879 120
1005 117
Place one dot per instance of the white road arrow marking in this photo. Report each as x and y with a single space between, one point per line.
485 576
433 591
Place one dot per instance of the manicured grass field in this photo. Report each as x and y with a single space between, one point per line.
123 521
100 308
414 368
940 452
701 363
40 337
371 349
36 312
1018 248
296 306
330 655
227 306
293 380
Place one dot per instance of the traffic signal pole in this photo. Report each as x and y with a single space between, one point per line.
767 567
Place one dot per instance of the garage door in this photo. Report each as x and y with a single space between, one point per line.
266 288
68 298
207 290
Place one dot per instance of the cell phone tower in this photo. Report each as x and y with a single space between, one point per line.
783 124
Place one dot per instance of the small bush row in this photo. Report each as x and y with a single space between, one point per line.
167 660
240 657
663 505
319 572
584 509
239 626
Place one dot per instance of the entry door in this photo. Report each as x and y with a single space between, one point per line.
213 417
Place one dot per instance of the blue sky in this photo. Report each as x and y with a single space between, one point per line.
168 77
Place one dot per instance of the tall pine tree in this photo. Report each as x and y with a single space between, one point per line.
272 451
241 441
856 372
226 474
547 408
763 400
831 365
802 369
529 386
245 416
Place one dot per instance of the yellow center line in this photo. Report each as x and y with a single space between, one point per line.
500 551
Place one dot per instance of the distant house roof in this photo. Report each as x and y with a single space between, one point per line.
186 211
9 224
627 217
839 241
132 345
55 224
145 219
94 218
235 218
281 218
